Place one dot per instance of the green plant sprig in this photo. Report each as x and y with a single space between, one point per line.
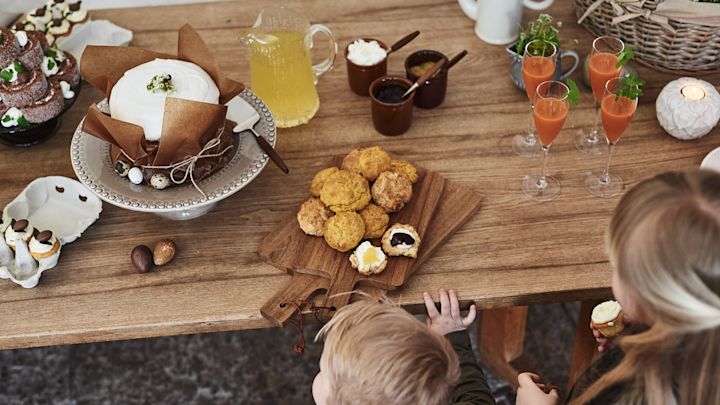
541 29
574 93
631 89
625 56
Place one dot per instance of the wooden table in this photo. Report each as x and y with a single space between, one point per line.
514 252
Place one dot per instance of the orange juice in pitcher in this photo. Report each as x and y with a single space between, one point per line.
281 69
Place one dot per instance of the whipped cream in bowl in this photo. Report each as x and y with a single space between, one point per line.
366 52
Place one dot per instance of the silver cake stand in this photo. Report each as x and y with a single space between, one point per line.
91 161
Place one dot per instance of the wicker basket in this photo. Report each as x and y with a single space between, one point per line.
661 43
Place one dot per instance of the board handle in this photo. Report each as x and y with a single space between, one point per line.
301 287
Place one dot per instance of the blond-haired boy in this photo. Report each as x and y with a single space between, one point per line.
376 353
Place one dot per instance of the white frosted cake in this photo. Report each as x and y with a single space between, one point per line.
139 96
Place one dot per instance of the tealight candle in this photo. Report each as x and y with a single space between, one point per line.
693 92
688 108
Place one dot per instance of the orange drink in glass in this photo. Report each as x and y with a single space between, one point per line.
538 66
550 111
616 111
602 67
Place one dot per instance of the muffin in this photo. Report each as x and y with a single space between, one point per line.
401 240
406 168
376 221
344 231
20 229
607 318
44 245
312 216
368 259
319 180
392 191
373 161
351 162
345 191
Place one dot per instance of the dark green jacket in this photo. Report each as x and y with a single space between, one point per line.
472 389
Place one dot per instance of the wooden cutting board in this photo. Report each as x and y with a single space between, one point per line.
456 205
288 247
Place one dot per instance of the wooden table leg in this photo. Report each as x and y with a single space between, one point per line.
585 348
501 336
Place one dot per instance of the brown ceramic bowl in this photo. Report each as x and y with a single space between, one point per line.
391 118
433 92
359 76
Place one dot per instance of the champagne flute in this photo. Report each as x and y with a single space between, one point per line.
538 66
549 114
616 110
601 68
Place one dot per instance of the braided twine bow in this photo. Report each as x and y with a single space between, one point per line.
627 10
186 167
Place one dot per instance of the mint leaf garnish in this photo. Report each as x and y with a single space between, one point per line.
51 64
625 56
51 53
6 75
18 66
23 122
6 118
574 93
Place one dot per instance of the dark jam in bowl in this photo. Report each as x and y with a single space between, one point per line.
391 94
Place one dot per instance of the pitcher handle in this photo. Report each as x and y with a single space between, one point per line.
564 73
538 5
324 66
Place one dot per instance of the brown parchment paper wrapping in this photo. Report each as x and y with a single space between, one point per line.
187 125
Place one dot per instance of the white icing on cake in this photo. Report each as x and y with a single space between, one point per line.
130 100
65 88
22 38
38 247
606 312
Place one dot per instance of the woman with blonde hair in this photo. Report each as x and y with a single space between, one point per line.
664 247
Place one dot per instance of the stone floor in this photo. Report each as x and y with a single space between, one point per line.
249 367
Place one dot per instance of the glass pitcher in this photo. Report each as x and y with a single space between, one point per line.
281 69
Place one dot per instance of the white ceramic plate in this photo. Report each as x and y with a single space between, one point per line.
91 161
712 160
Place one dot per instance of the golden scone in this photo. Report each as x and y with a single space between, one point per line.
319 180
351 161
312 216
345 191
406 168
373 161
376 221
344 231
401 240
391 191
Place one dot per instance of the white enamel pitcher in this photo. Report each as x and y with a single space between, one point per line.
497 22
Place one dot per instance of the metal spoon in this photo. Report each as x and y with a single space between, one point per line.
402 42
428 74
246 118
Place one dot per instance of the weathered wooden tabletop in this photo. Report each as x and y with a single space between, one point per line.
515 251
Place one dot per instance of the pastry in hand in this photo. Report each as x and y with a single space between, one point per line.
376 221
392 191
345 191
344 231
368 259
406 168
20 229
44 245
319 180
351 162
373 161
401 240
312 216
607 318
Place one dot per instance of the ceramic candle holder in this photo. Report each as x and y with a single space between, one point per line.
688 108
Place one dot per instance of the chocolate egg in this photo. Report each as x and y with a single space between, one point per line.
142 258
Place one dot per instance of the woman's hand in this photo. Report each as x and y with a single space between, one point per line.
532 392
448 320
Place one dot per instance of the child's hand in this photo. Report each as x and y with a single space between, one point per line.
448 320
604 343
532 392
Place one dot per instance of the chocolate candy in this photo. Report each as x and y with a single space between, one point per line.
164 252
74 6
402 239
44 237
142 258
20 225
